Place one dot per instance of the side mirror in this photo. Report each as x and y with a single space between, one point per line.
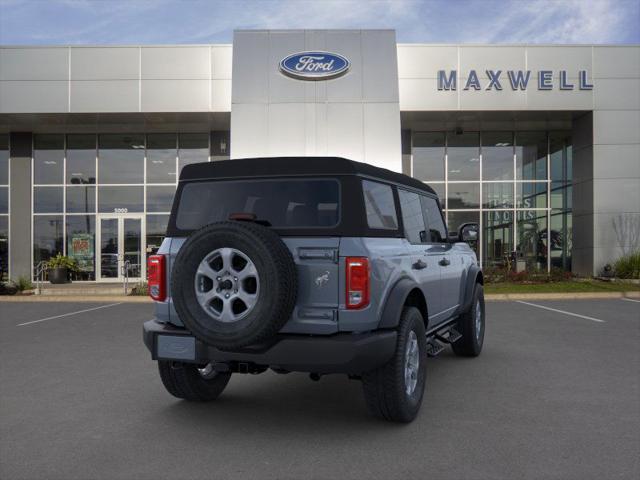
468 232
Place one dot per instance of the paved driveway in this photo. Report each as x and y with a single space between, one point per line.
555 394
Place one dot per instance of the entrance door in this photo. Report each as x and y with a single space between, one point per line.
120 248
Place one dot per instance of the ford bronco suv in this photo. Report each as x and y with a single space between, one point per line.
310 264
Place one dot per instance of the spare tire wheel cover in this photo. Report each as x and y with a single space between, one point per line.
234 284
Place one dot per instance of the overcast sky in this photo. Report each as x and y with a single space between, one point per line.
47 22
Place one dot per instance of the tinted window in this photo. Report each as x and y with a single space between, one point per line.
81 159
282 203
412 218
437 230
161 158
48 159
381 209
121 159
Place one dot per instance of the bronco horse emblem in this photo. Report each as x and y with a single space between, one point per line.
322 279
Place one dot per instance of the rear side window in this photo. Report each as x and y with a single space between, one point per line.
412 217
283 203
433 217
380 206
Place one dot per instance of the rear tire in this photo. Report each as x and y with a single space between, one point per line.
387 390
471 326
187 381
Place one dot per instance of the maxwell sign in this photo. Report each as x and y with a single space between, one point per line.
516 79
314 65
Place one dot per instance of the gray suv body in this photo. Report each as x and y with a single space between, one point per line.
310 264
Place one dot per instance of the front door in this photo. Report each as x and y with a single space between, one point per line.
120 248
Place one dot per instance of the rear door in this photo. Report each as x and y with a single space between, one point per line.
423 262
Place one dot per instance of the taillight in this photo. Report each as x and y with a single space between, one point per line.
156 277
357 282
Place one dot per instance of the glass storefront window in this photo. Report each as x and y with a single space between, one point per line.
428 156
497 156
81 159
156 231
497 237
192 148
81 244
560 153
47 237
4 200
456 219
439 188
120 159
120 199
531 195
161 158
561 239
463 196
48 159
160 199
531 249
81 199
4 247
531 155
47 200
463 156
497 195
4 159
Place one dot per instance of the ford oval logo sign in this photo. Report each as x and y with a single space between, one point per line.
314 65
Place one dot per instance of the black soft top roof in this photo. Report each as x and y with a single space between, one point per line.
294 166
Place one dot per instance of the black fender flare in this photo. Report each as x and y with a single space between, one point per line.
395 302
474 275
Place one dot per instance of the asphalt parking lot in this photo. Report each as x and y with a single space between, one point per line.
553 395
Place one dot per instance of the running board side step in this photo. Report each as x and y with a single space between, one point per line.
447 335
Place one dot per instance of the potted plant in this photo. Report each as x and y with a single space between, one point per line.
59 268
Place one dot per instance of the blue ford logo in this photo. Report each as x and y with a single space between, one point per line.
314 65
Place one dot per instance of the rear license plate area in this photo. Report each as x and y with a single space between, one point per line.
174 347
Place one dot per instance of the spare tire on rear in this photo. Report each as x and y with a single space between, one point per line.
234 284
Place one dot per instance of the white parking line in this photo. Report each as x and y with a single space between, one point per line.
562 311
68 314
630 300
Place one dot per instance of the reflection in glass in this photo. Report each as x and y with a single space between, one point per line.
456 219
193 148
560 156
497 195
48 159
4 159
463 156
531 155
81 242
561 239
4 247
47 199
412 217
161 158
121 158
531 195
531 249
47 237
428 156
156 231
160 199
439 188
497 237
109 248
121 199
464 196
133 246
81 159
497 156
81 199
4 200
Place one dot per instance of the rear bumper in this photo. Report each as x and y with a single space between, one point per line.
339 353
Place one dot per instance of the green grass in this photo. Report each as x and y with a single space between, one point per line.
561 287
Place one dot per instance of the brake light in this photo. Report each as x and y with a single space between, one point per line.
156 277
357 282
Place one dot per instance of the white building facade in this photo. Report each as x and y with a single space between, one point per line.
540 145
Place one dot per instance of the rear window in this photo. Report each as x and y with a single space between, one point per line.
284 203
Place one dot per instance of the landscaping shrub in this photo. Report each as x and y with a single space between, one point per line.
628 266
23 283
141 289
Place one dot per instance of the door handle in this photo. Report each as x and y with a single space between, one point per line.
444 262
419 265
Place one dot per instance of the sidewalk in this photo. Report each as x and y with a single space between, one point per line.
490 297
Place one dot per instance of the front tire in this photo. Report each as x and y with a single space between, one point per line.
471 326
190 382
394 391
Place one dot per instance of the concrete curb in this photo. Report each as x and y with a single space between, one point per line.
493 297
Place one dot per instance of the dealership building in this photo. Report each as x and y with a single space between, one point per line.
538 144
